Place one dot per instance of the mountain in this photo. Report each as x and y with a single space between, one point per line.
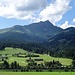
44 29
35 32
67 36
63 42
41 37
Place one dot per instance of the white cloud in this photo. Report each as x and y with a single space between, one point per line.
74 20
66 25
21 9
37 10
55 11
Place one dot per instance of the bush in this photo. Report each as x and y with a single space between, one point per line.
66 70
32 64
50 70
21 70
37 70
72 70
27 70
16 70
38 59
32 56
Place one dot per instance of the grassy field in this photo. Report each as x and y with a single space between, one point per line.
10 51
22 61
37 73
64 61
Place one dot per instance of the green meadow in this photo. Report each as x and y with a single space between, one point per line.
22 61
37 73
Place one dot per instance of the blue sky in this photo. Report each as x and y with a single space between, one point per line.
23 12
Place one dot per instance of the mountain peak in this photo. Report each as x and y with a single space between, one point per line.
46 22
42 23
17 26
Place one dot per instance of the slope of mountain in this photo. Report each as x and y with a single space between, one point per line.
63 43
36 32
67 36
43 29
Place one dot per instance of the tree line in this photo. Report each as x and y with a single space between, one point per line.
33 66
45 48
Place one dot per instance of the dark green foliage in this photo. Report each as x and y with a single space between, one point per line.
2 47
32 64
63 44
73 63
53 64
14 65
5 65
66 70
38 59
32 55
73 57
50 70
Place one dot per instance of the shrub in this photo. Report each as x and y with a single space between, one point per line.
32 56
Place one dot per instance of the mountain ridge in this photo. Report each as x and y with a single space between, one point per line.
62 43
40 31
